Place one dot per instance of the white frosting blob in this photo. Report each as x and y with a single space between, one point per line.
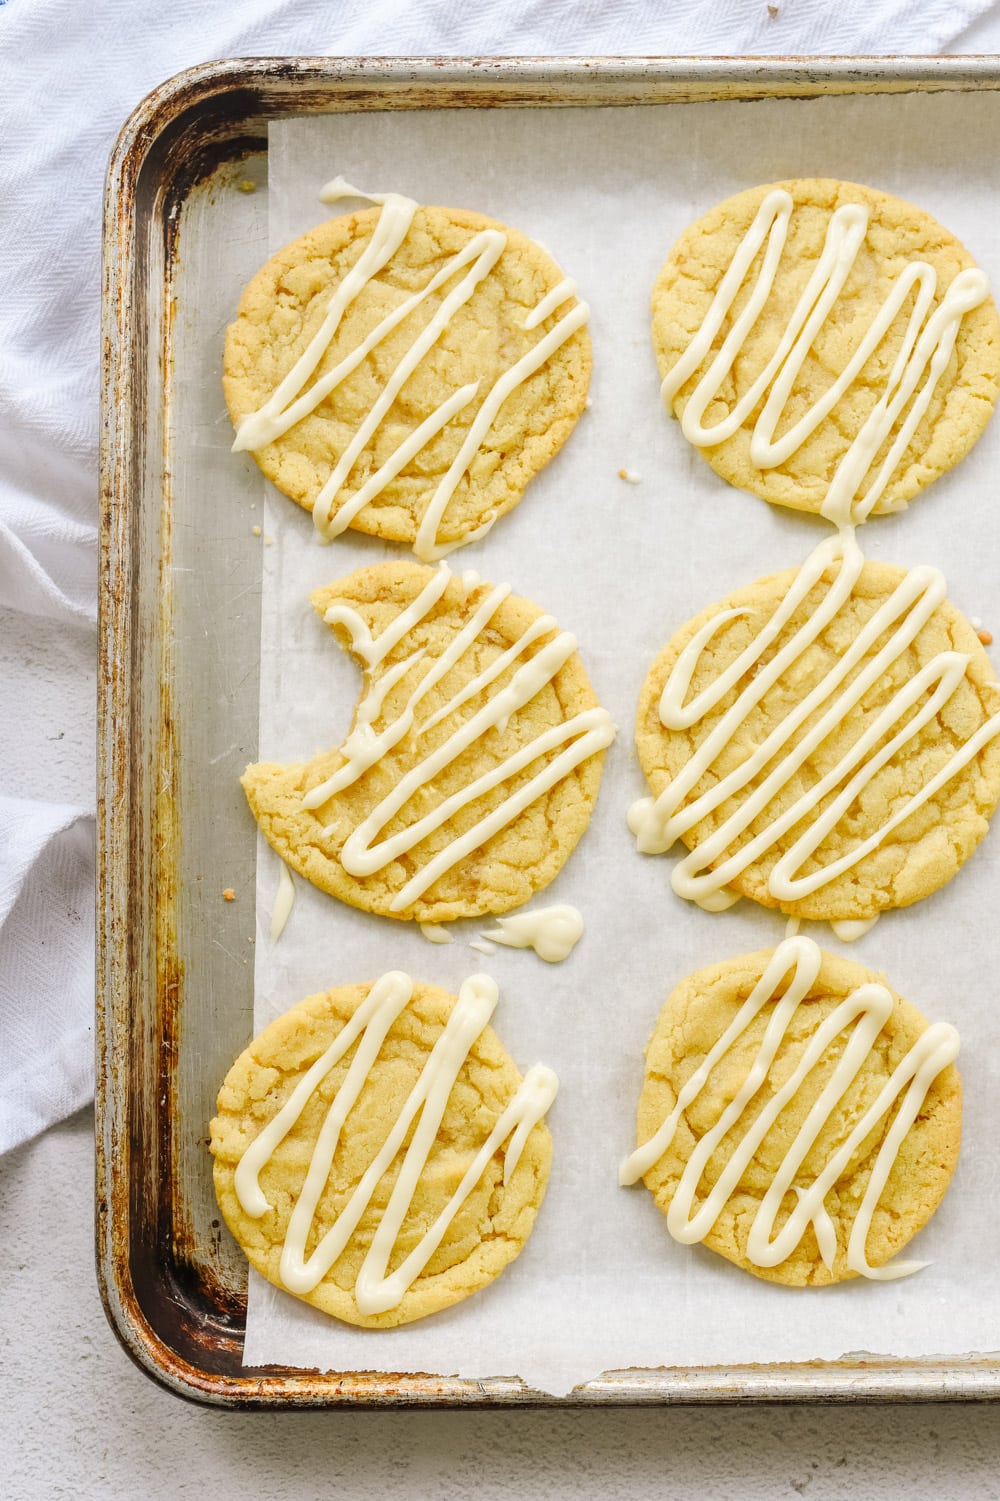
862 1014
848 929
553 932
434 933
284 897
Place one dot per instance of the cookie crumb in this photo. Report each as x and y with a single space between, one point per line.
246 186
268 541
772 11
986 637
257 531
229 895
629 476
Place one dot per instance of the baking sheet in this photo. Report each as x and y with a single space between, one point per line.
601 1285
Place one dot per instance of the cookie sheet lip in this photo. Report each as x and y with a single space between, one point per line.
797 1116
859 383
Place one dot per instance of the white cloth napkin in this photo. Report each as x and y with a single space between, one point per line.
71 74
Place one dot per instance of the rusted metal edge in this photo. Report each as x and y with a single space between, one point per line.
307 83
250 90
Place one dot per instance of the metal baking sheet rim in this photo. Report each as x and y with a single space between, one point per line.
234 99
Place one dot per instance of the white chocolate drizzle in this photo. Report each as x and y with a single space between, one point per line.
375 1291
553 932
923 356
568 743
283 899
434 933
721 857
293 399
865 1011
849 930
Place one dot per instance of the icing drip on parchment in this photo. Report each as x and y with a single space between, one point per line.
284 898
553 932
434 933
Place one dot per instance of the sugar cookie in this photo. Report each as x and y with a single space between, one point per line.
823 741
406 371
473 762
378 1154
797 1116
826 346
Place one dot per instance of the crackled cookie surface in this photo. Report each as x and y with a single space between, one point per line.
473 762
826 345
823 741
406 371
377 1153
797 1116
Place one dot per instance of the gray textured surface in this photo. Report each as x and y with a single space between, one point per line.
79 1420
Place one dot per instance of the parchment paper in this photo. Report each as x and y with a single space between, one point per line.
601 1285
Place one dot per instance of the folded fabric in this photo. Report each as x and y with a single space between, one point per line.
46 964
